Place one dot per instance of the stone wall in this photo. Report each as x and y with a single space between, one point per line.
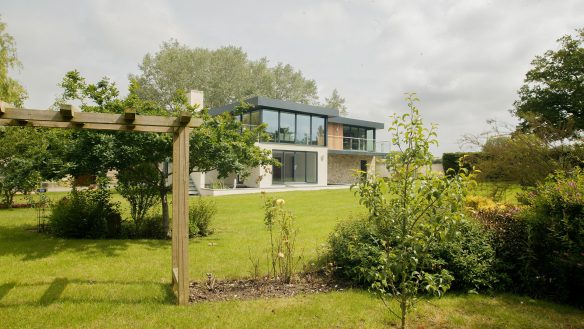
341 167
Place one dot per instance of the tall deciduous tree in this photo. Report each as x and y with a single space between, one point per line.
10 90
226 75
337 102
551 102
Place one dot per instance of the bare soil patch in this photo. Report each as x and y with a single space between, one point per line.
246 289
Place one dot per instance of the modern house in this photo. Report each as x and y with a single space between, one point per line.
315 145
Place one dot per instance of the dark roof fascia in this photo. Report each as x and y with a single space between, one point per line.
357 122
268 103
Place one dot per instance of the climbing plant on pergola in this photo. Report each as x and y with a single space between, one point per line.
69 117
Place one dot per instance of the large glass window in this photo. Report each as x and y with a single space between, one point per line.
277 171
358 138
256 119
302 129
318 131
297 167
270 118
288 167
311 167
246 120
287 127
300 167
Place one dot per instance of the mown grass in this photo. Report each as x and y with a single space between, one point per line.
49 283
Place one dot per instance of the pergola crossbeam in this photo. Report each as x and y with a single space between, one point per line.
87 118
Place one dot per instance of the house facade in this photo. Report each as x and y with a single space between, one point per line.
315 145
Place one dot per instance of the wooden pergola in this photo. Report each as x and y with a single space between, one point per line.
69 117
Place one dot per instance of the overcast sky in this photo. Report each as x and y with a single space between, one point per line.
464 59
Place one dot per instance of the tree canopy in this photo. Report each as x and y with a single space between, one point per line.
10 90
551 101
337 102
226 75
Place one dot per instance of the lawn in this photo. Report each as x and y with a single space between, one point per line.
47 282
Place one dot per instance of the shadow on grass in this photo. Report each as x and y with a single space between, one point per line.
54 291
26 244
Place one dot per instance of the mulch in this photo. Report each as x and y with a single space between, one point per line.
260 288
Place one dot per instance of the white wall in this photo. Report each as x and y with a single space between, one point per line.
321 158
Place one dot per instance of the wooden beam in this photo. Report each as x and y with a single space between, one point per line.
130 115
180 212
97 118
90 126
4 106
185 118
67 111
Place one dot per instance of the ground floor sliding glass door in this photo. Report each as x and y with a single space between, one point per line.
297 166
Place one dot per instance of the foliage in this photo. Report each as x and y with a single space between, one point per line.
201 215
413 211
280 221
469 258
508 236
221 144
355 246
151 228
337 102
88 214
555 216
10 90
135 186
225 75
21 153
451 161
520 158
551 101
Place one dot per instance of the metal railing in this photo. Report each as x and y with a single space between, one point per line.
357 144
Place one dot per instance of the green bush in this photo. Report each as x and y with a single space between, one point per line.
469 258
508 235
555 216
201 215
451 161
86 214
150 228
355 246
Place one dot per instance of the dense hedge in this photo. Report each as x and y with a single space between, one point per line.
555 217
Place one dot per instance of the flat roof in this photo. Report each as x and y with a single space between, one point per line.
269 103
357 122
264 102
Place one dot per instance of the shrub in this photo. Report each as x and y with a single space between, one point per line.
452 161
201 215
508 237
555 216
469 257
355 246
86 214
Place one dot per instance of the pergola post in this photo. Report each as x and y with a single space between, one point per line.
180 214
